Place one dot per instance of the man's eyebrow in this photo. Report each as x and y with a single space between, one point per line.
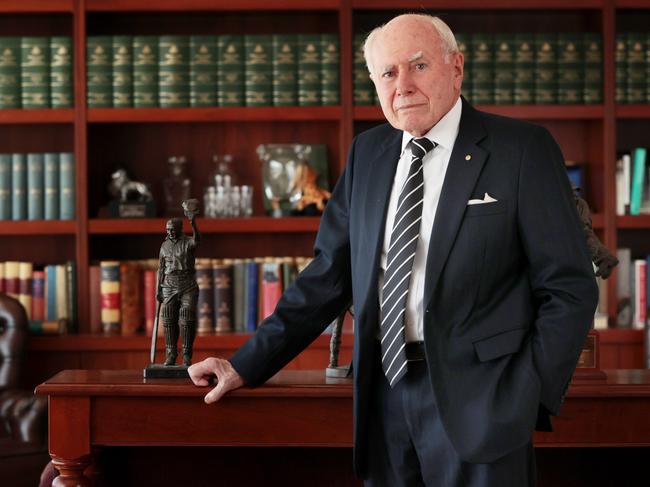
416 56
388 67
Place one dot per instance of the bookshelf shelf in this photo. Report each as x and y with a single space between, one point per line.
208 225
36 6
640 4
633 222
39 227
90 343
478 4
633 111
221 114
205 5
528 112
37 117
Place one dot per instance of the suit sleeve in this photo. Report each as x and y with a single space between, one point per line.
561 275
319 294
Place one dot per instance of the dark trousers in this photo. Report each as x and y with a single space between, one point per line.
408 445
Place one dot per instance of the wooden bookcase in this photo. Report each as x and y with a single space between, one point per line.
141 140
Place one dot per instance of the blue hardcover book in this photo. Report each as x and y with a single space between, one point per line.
50 293
35 186
51 184
251 297
5 186
18 187
66 186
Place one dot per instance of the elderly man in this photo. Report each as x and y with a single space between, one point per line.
455 234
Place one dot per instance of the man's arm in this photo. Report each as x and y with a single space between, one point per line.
560 271
319 294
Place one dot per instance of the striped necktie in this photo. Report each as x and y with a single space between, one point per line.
399 263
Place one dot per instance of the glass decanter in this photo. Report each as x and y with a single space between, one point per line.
177 186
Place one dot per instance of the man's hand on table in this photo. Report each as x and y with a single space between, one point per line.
204 372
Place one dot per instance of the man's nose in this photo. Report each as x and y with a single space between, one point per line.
404 83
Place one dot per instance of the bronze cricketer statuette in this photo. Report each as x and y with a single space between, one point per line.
176 296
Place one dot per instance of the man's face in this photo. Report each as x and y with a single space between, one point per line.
416 88
172 231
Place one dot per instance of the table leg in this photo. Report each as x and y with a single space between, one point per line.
71 471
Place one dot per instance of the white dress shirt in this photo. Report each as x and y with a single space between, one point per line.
434 167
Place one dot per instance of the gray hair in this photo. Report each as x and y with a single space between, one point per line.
449 44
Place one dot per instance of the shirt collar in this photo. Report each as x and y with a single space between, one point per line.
444 132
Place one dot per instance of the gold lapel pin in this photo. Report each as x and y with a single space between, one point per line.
468 157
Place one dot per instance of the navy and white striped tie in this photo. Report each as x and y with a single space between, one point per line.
399 263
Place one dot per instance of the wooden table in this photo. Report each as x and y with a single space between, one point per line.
94 408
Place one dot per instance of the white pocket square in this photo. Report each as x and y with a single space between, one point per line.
486 199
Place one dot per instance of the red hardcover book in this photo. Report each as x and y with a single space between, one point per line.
38 295
131 301
271 287
110 297
25 271
12 285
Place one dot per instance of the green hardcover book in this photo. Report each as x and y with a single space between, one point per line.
638 179
570 68
230 87
636 81
122 71
621 67
51 186
285 70
10 72
35 72
5 187
593 68
504 73
364 91
545 68
463 43
66 186
145 71
18 186
61 92
329 69
482 49
203 71
35 186
524 69
258 70
173 71
99 69
309 60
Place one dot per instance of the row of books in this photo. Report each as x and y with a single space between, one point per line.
213 70
633 292
633 183
48 294
523 68
37 186
234 294
36 72
633 67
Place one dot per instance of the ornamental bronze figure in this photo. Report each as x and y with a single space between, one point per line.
177 294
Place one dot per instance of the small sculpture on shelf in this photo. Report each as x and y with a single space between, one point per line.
313 199
600 255
130 199
334 369
176 295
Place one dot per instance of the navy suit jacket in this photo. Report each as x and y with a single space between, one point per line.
509 295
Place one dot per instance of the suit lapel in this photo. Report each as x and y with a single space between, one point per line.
460 179
379 185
